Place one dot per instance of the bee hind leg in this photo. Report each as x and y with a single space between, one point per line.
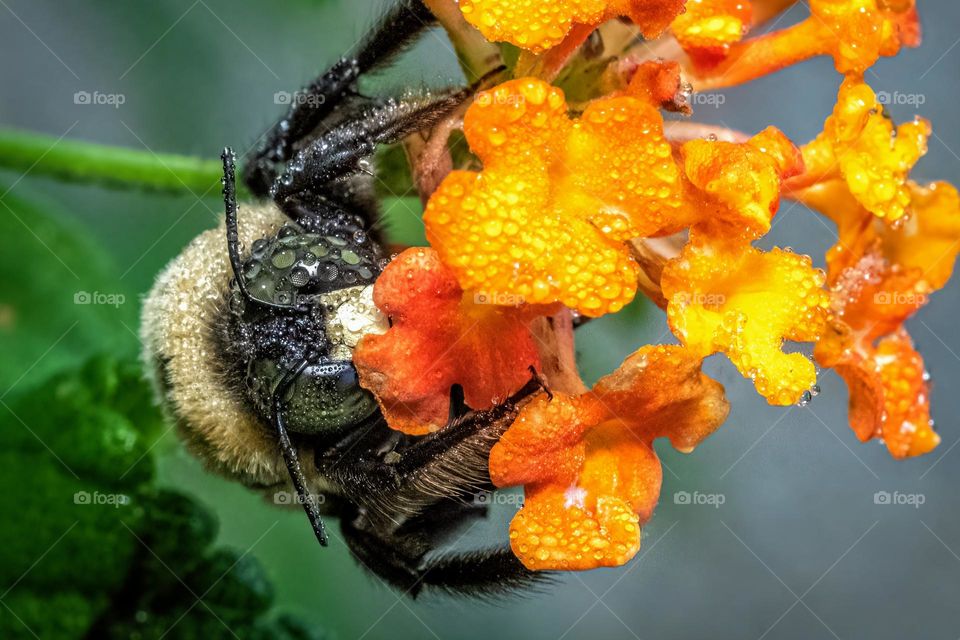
408 561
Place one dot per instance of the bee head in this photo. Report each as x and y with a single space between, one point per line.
305 297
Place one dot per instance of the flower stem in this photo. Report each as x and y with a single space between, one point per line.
119 167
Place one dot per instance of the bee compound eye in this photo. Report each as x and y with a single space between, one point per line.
328 398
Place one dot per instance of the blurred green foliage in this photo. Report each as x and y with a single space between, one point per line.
60 261
92 547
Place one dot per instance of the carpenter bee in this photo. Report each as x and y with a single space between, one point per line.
249 334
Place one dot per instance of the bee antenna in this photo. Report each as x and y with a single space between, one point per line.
230 207
290 454
233 234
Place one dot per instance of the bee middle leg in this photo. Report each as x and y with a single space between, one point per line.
452 463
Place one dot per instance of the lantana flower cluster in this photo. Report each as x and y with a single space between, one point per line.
557 213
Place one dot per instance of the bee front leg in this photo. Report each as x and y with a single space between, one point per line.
310 107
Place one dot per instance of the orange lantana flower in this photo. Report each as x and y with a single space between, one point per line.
440 337
568 205
881 274
738 185
587 462
546 219
862 146
732 298
855 33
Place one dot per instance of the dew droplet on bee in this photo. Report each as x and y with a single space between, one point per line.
258 247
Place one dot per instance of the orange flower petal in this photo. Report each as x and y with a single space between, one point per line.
743 302
874 355
625 178
664 385
440 337
587 462
889 394
907 428
551 533
707 28
504 230
741 183
863 147
544 443
923 246
855 33
930 239
538 25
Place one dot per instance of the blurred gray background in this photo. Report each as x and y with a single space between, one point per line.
798 549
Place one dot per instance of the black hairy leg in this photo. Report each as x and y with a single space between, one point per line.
312 105
343 151
395 483
403 560
329 180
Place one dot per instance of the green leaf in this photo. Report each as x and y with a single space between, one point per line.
98 423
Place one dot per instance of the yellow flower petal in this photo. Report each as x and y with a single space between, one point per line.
744 303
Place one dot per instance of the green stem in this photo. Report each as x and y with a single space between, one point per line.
89 162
